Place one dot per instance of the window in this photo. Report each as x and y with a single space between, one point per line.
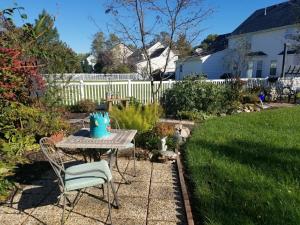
273 68
259 66
180 68
250 69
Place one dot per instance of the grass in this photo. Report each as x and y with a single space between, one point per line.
245 169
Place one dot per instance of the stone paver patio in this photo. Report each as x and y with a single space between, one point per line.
153 198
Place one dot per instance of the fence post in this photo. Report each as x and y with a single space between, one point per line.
81 89
129 88
170 83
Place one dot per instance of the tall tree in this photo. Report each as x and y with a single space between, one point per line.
112 41
139 21
183 46
45 29
98 44
55 55
162 37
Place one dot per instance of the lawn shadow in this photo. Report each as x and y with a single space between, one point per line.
269 160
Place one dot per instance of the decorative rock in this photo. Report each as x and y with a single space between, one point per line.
185 132
178 126
178 138
169 154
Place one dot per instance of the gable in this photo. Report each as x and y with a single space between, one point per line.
283 14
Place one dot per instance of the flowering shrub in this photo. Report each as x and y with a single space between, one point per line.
19 78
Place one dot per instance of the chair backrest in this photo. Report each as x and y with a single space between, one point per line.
54 157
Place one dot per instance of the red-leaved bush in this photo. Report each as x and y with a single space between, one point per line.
19 78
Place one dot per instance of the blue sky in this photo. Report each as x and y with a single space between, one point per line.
78 20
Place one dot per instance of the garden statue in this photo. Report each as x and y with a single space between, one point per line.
163 144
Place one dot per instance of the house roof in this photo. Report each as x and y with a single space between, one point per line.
219 44
283 14
289 52
157 52
258 53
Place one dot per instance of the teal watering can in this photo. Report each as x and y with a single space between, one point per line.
99 124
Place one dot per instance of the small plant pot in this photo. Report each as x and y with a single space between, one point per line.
56 137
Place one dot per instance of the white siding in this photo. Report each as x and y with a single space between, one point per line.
213 65
191 66
270 42
159 63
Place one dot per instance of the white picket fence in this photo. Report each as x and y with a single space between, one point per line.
96 76
75 91
96 90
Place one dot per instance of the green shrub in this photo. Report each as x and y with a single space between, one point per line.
84 106
200 96
250 98
21 127
192 115
147 140
141 118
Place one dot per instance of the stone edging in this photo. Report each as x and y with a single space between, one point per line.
184 191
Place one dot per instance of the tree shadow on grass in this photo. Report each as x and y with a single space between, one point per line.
245 199
272 161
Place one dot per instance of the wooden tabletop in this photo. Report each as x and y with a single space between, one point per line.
118 139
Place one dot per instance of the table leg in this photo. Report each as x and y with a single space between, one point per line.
134 168
111 159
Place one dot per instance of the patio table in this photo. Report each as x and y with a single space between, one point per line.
118 140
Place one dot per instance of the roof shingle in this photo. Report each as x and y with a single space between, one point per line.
283 14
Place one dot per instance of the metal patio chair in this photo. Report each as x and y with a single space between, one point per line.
78 177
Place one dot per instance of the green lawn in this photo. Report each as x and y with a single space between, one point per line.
245 169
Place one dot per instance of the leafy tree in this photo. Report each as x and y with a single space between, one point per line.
55 55
208 43
44 27
183 46
98 44
104 61
144 19
112 41
163 37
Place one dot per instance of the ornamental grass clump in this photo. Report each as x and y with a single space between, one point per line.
139 117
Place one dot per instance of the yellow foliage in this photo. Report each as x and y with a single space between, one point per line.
141 118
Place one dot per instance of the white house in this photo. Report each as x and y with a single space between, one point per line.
158 56
262 37
121 52
208 65
91 60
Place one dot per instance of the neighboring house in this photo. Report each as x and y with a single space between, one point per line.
262 37
91 60
120 53
209 65
158 56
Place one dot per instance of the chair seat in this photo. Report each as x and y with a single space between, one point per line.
99 175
